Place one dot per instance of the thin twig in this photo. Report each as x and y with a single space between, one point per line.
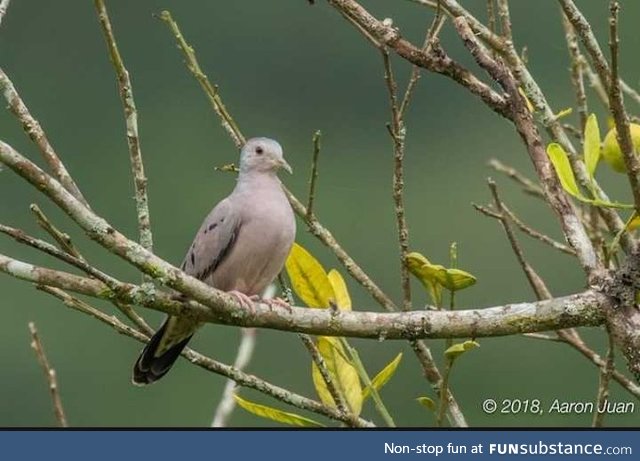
397 131
599 411
364 377
577 75
536 234
589 40
37 135
623 133
50 374
528 185
430 39
131 121
243 357
4 5
314 172
318 360
228 123
505 21
536 282
62 238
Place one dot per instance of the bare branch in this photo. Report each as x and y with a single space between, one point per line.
63 239
582 309
522 118
577 75
314 172
131 120
623 133
50 374
35 132
228 123
528 186
4 5
243 356
536 282
603 386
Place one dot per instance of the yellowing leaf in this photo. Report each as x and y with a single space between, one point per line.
591 144
419 266
383 376
308 278
563 169
274 414
343 300
563 113
456 279
526 100
460 348
343 375
427 403
634 223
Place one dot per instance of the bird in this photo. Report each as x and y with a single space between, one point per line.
240 248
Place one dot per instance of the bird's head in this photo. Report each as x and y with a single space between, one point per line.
262 155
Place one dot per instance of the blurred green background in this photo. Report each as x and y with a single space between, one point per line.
285 69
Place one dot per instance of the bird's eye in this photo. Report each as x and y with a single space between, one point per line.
259 150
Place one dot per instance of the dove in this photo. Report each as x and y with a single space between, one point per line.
240 248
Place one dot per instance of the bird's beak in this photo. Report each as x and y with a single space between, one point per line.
285 166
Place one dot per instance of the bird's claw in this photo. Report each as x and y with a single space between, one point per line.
278 302
244 300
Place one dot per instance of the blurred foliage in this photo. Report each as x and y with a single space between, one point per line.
285 69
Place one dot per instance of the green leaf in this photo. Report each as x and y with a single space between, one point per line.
343 375
383 376
427 403
458 349
309 279
274 414
419 265
456 279
563 169
343 300
591 144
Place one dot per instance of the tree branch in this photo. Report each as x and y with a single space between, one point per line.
131 121
50 374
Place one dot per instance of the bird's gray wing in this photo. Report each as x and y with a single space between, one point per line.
211 245
214 240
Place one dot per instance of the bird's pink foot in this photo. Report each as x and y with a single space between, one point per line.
244 300
279 303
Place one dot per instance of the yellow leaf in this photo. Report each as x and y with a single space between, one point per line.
427 402
460 348
418 265
591 144
308 278
526 99
563 113
343 300
456 279
383 377
343 375
611 152
563 169
634 223
274 414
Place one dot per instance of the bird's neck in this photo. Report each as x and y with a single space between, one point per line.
248 182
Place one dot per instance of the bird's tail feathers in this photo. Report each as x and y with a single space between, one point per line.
152 366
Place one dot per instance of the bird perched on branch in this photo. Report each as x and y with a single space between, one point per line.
240 248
